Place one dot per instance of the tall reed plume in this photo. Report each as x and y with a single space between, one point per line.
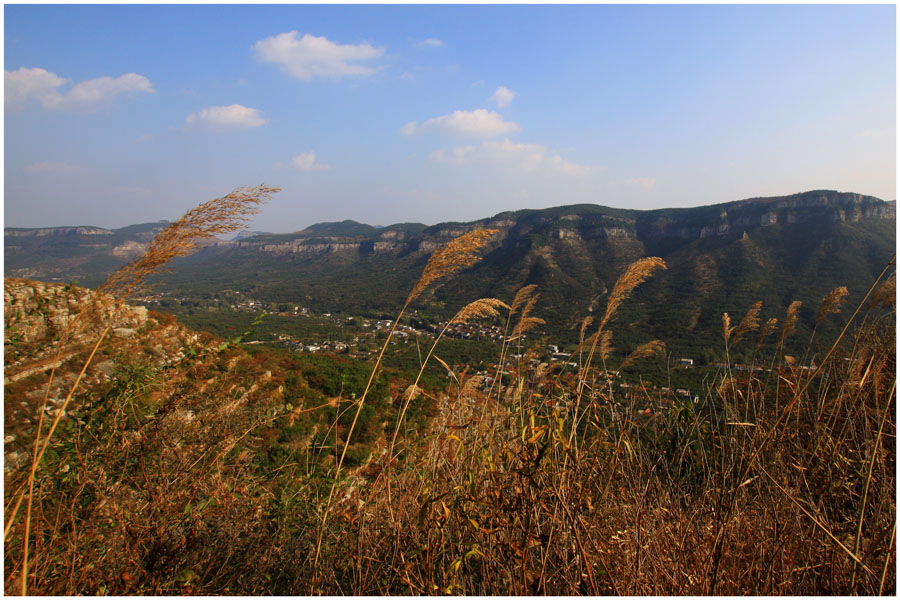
637 273
831 303
479 309
526 321
885 294
766 330
790 321
643 351
749 323
452 258
216 217
523 297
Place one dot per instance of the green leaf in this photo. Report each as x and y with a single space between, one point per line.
474 552
186 576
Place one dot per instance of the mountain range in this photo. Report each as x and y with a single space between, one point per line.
721 258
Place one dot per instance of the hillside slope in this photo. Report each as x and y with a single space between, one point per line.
173 448
191 465
720 258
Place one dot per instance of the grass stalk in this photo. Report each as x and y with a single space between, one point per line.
862 506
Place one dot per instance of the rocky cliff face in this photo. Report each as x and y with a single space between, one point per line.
746 215
89 253
55 231
594 223
84 254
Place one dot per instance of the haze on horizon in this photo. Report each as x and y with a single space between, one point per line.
382 114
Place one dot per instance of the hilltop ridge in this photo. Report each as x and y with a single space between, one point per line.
87 253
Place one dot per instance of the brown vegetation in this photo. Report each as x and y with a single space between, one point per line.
549 481
221 215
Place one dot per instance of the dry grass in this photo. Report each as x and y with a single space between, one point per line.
790 321
451 258
548 482
720 497
831 303
749 323
218 216
458 254
635 275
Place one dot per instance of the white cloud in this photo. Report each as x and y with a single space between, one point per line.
503 96
431 43
22 84
144 138
310 56
223 118
47 168
103 88
306 161
480 123
648 183
525 157
43 86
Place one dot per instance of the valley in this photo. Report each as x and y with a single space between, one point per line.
720 258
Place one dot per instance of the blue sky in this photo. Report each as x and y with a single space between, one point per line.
382 114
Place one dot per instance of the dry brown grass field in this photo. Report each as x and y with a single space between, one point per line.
550 479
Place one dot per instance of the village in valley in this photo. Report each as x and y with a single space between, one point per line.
360 337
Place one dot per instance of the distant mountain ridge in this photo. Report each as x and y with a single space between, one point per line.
720 258
83 253
45 231
683 223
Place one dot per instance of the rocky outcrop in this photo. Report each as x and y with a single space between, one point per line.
38 316
129 249
586 223
84 253
56 231
740 217
35 312
387 246
392 235
299 247
567 234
